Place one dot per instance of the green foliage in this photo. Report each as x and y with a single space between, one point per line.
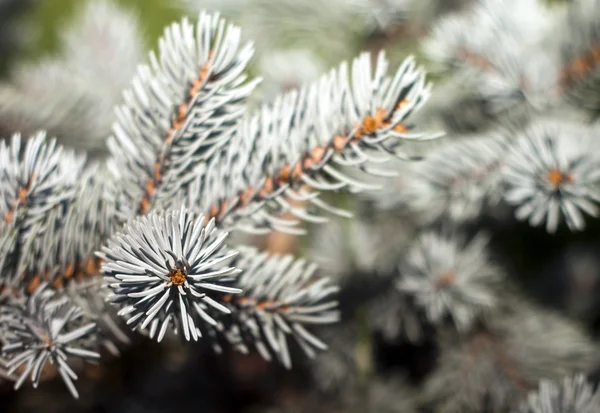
49 16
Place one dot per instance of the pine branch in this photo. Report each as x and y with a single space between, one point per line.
493 368
178 111
339 122
39 181
280 296
170 271
89 219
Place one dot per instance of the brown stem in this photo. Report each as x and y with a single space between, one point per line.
291 174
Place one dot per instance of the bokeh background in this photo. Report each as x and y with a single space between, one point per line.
63 66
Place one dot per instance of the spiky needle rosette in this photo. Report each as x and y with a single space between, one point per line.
168 269
448 277
281 296
573 394
47 328
344 120
552 173
178 110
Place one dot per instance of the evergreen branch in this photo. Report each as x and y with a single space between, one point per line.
492 368
33 177
89 219
280 296
305 138
178 110
38 184
469 39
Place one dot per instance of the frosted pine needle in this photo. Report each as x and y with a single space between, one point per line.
168 270
450 278
552 174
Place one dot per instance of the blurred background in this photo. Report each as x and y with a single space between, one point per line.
65 63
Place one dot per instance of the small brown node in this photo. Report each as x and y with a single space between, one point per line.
246 196
149 187
47 340
447 279
400 128
144 205
369 125
339 142
402 104
318 154
581 66
285 173
556 177
177 277
273 305
23 195
58 282
181 112
69 271
268 187
33 284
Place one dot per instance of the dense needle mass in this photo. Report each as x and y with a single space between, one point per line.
166 269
